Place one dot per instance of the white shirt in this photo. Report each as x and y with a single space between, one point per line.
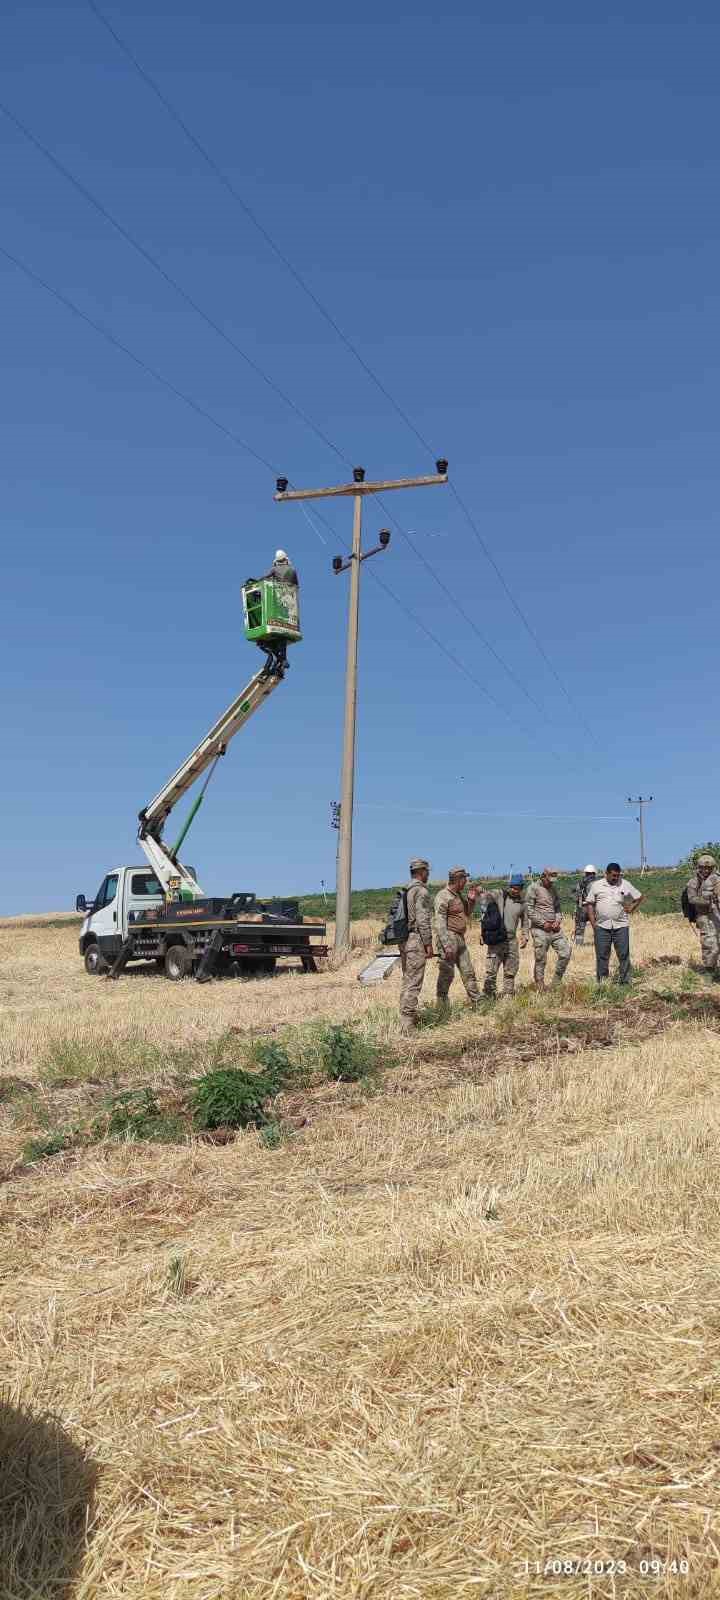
607 898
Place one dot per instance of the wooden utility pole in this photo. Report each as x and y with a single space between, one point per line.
641 801
358 489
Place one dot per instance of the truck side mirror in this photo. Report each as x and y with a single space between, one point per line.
80 903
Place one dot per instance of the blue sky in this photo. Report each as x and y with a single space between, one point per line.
517 225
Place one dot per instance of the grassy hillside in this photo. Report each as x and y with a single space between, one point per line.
661 887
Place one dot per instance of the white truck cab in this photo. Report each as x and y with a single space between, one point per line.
123 894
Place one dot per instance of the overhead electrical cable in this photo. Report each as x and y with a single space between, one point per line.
451 811
156 265
236 439
322 309
152 372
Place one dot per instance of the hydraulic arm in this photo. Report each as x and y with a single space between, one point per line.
162 857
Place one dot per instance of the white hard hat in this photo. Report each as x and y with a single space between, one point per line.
281 555
590 868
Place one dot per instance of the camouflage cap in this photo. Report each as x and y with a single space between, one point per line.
417 864
455 872
706 861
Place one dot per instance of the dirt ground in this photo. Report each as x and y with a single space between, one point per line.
458 1337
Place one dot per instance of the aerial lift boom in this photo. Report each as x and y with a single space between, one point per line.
270 606
163 858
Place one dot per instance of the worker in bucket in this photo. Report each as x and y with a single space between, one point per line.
281 570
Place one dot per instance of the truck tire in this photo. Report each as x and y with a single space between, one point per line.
260 967
95 962
178 962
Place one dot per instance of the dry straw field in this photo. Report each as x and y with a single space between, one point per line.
451 1328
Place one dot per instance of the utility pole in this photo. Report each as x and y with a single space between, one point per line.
358 489
641 801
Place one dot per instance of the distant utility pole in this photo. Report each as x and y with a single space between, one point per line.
640 801
358 488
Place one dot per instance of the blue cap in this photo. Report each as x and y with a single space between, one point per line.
517 880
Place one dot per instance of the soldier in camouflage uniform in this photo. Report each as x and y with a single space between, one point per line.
506 955
542 903
418 947
453 908
703 892
581 890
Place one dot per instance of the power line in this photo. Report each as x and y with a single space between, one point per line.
199 310
157 266
144 366
447 811
322 309
526 624
464 614
255 220
236 439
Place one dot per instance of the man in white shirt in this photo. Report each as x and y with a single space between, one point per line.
610 903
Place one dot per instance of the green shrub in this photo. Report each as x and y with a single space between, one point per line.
346 1055
274 1063
273 1134
40 1149
135 1114
231 1098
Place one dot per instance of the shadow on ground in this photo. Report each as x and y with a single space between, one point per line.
47 1488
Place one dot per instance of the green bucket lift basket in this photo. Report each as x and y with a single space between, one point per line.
271 611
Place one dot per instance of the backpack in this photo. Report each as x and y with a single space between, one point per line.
687 910
397 927
492 927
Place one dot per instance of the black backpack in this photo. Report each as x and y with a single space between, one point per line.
492 926
397 928
687 910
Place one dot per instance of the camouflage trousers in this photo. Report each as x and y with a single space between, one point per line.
414 961
457 955
581 925
507 956
542 942
709 931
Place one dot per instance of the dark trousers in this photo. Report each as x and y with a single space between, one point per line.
607 939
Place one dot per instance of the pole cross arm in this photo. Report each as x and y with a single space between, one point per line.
379 487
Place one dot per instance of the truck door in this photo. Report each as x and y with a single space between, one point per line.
104 920
143 890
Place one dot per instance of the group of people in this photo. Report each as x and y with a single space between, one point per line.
508 917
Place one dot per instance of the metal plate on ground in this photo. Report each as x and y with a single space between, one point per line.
380 967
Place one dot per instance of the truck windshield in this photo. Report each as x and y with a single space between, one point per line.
107 891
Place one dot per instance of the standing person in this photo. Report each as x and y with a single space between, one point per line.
504 951
581 892
453 909
611 902
417 949
542 903
703 892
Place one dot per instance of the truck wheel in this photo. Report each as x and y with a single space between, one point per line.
95 962
178 962
261 967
